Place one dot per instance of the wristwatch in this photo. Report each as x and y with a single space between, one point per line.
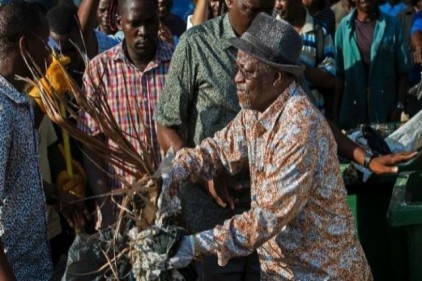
368 157
400 106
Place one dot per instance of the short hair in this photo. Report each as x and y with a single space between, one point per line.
63 19
123 3
17 18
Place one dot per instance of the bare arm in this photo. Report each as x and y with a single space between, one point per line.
320 77
200 14
87 18
384 164
97 179
338 95
6 272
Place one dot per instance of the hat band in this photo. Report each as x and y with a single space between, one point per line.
263 50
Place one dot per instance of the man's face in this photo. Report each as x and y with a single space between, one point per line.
139 22
164 7
287 9
365 6
103 16
66 46
242 12
253 82
38 48
214 6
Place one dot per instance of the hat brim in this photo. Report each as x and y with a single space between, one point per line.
248 48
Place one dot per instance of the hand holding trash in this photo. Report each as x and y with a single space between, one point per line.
71 189
185 254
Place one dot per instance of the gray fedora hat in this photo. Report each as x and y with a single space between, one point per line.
272 41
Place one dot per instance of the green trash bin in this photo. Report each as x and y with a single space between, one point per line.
405 211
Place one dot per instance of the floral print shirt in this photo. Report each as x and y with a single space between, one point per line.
299 220
23 226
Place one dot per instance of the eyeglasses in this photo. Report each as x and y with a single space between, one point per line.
248 75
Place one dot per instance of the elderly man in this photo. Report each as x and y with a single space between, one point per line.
299 221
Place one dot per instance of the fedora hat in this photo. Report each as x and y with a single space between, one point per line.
272 41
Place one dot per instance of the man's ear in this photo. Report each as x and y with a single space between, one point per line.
119 21
229 3
23 44
278 78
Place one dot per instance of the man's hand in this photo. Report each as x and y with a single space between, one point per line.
71 189
185 253
76 214
385 164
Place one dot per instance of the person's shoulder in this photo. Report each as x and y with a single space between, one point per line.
106 55
165 50
210 29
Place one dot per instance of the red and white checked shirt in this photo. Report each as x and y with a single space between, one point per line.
128 90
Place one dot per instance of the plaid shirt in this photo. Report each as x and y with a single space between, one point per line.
128 90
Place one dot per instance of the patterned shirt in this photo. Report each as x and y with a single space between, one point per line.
128 91
199 98
299 220
22 207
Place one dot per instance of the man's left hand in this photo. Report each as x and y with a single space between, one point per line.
386 164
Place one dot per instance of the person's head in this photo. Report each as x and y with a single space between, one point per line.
288 9
366 6
267 61
242 12
23 29
64 30
103 16
139 21
214 7
315 6
164 7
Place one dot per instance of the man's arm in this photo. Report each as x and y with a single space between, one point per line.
200 14
384 164
319 77
6 272
87 18
338 95
168 137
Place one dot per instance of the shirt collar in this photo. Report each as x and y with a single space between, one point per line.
309 23
163 53
350 19
269 117
11 92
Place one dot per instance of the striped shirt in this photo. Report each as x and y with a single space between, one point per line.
128 91
314 56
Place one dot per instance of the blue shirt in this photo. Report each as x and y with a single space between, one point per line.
22 207
392 10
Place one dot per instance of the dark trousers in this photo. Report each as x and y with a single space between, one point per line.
238 269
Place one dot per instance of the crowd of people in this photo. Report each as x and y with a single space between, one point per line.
251 94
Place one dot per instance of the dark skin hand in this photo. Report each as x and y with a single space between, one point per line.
6 272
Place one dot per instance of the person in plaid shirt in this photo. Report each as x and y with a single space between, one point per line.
132 74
